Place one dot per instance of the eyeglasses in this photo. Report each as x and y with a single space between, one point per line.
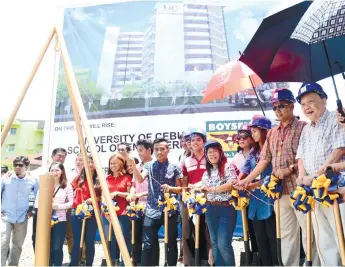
280 107
242 137
18 165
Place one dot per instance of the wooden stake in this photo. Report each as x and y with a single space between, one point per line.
88 174
24 90
75 96
166 234
340 231
309 239
45 200
197 241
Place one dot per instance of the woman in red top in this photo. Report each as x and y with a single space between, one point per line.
82 194
119 186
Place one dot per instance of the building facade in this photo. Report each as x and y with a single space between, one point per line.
183 43
25 138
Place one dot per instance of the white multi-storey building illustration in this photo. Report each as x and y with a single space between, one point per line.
183 43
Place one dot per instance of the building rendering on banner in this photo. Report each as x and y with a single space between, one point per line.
183 43
121 59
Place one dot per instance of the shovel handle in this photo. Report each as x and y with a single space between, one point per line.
197 241
309 240
340 232
81 240
279 241
166 220
245 224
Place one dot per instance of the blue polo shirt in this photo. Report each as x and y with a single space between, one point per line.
15 193
163 173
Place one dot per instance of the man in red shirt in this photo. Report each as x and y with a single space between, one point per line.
193 168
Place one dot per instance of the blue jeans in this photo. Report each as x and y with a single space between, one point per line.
221 221
57 237
89 237
126 230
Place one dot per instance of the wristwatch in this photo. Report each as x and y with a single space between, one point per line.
291 168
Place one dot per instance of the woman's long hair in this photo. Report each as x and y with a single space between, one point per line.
95 179
122 159
63 177
221 164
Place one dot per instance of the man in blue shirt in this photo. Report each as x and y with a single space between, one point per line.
164 175
15 192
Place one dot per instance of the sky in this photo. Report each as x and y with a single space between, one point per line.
25 25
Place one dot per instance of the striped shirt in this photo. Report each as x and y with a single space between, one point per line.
280 149
63 199
319 140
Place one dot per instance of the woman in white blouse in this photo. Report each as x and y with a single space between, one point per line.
220 215
62 201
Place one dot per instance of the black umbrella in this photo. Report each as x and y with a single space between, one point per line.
303 43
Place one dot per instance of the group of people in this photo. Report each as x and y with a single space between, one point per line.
294 151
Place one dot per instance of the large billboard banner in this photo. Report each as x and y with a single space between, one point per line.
142 67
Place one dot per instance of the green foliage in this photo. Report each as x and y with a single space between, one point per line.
130 90
87 87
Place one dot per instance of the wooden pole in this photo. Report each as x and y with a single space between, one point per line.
24 90
340 231
45 200
197 240
82 236
88 174
75 96
166 234
279 238
309 239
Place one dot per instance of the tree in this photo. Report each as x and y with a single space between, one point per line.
130 90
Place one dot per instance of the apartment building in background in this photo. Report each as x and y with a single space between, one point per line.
25 138
121 59
183 43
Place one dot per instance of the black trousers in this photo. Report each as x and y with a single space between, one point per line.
150 252
252 237
265 232
138 237
34 222
202 238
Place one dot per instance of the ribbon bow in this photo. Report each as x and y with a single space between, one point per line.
135 211
272 187
84 211
195 202
54 220
302 199
168 201
239 199
323 184
105 210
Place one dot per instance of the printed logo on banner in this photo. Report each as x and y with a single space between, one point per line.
223 132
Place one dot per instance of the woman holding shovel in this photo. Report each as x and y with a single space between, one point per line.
82 194
261 212
119 186
220 216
